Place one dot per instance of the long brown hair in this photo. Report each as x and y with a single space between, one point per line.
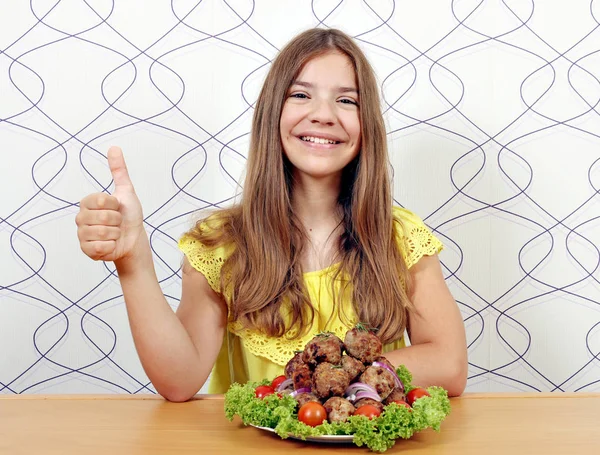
263 272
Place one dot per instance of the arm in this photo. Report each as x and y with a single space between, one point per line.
177 350
438 351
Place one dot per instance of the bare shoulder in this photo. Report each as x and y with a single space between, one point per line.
436 312
196 288
437 317
188 270
428 266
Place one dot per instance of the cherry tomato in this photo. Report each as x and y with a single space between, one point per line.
415 394
402 403
367 410
312 414
263 390
278 380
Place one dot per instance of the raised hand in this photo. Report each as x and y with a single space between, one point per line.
110 227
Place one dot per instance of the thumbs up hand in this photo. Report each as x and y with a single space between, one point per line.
110 227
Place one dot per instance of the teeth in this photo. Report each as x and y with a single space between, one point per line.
317 140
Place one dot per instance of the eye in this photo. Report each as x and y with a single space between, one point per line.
299 96
348 101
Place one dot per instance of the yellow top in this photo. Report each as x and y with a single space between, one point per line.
251 356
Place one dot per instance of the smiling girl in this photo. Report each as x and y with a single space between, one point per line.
314 245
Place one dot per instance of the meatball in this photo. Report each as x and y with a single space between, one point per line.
302 376
382 359
352 366
293 363
338 409
325 347
362 344
329 380
380 379
370 401
306 397
397 394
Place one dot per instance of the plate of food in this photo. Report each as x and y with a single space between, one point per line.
338 391
334 439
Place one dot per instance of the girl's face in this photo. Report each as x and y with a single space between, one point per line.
320 124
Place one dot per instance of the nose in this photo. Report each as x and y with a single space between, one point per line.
322 112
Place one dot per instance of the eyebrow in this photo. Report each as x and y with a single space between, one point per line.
339 89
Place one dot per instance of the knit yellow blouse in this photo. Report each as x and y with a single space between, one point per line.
252 356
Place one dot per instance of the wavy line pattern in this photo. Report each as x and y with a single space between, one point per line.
492 108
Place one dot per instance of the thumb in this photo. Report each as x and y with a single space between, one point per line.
118 168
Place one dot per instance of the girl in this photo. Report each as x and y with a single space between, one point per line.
314 244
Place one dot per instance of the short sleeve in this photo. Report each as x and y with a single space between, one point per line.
207 261
414 238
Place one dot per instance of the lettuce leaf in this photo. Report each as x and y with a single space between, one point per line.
379 434
267 412
406 378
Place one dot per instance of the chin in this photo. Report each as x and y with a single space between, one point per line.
317 174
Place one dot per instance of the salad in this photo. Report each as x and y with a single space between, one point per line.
336 387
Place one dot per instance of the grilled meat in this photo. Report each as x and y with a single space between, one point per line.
324 347
352 366
306 397
380 379
293 363
397 394
302 376
362 344
329 380
338 409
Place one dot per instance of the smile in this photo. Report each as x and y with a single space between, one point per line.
317 140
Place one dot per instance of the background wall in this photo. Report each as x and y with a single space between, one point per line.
494 129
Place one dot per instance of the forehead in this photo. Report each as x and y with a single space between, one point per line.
332 69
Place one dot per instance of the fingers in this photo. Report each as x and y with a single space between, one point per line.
99 201
87 217
118 168
98 249
97 242
99 218
98 225
101 233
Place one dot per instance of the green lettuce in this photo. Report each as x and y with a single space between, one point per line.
405 377
379 434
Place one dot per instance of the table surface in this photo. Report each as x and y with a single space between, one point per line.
542 423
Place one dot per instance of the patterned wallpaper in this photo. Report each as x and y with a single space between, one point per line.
492 108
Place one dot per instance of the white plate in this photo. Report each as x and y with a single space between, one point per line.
334 438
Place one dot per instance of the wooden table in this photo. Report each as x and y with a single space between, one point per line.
479 424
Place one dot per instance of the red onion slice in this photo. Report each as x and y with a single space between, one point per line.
288 383
356 387
396 378
373 396
301 390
